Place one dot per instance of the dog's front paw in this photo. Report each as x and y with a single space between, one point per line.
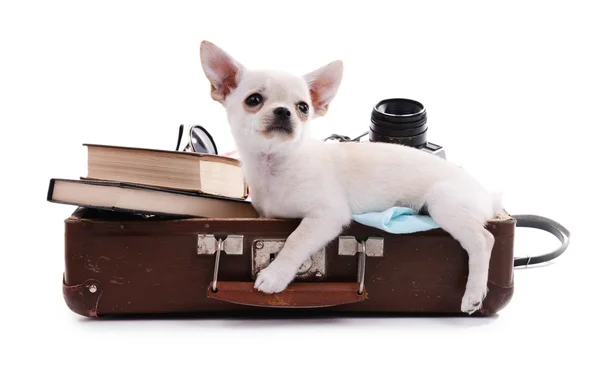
272 280
473 299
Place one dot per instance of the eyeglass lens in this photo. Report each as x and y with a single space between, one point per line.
202 142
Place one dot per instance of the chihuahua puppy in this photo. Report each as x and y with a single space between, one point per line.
292 175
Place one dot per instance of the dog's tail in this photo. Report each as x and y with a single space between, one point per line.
497 202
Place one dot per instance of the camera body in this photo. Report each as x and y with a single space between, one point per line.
398 121
402 121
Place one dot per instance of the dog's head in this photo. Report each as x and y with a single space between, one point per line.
268 108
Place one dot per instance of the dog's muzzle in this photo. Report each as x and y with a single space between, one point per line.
281 121
280 126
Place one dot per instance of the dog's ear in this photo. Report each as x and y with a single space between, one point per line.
221 69
323 84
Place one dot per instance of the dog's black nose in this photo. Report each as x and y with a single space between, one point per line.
282 113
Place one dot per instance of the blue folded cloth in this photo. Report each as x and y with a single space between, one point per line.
397 220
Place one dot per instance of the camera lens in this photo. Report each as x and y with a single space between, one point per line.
399 121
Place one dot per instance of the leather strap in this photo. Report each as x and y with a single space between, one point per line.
546 224
296 295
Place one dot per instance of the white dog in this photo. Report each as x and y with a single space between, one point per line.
292 175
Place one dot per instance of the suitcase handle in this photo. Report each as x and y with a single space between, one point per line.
296 295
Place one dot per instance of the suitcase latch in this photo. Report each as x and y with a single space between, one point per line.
264 252
232 245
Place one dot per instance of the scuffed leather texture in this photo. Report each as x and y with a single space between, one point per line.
296 295
151 266
80 299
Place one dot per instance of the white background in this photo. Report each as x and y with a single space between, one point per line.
512 94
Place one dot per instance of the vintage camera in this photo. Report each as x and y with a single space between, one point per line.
402 121
398 121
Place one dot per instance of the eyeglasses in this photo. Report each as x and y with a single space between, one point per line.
343 138
199 140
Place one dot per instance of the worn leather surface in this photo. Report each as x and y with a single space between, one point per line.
81 299
296 295
151 266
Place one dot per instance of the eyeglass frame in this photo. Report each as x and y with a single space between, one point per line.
189 144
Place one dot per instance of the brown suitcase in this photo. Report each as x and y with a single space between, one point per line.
127 264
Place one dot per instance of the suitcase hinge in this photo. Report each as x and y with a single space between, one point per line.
232 244
349 246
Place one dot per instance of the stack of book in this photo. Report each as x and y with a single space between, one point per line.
157 182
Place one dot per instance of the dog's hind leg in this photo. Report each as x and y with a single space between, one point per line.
463 214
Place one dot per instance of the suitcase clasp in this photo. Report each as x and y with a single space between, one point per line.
264 252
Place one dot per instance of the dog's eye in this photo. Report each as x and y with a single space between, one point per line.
303 107
254 100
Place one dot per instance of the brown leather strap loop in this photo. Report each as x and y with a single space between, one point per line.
296 295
